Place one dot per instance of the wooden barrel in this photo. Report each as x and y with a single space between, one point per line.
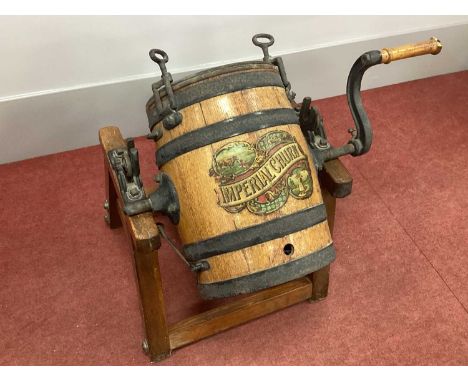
250 201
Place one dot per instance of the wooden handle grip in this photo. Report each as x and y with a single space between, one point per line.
432 46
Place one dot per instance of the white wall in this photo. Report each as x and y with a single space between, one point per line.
42 53
62 77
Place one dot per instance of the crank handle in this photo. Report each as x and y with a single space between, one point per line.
361 139
432 46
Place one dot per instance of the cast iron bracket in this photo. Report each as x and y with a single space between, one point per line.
163 200
125 163
311 123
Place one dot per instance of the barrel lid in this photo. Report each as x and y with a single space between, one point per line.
209 73
169 97
210 83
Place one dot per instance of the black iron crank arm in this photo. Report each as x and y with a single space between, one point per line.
361 140
362 136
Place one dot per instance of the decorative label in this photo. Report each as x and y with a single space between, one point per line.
262 176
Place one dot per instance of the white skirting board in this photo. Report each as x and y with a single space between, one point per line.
69 119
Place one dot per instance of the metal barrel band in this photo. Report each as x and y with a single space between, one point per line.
260 233
225 129
209 88
270 277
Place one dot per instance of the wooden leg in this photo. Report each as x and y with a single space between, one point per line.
320 281
156 344
112 216
143 235
320 278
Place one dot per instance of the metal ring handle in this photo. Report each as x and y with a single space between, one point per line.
269 37
154 56
264 45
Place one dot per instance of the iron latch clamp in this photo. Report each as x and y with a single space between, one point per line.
171 117
277 61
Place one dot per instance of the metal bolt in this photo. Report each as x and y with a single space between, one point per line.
172 120
172 208
107 218
156 134
145 346
106 205
134 192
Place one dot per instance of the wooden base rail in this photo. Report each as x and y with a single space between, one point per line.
162 338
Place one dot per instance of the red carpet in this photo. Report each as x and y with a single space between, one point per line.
398 293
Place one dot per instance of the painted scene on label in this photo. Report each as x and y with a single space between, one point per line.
261 176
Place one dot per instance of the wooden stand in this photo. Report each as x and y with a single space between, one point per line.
162 338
